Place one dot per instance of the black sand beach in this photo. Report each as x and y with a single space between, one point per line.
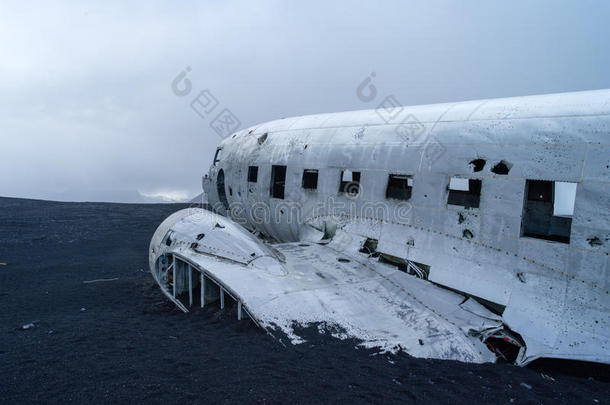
121 341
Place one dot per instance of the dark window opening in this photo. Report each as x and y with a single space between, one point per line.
278 181
252 174
350 182
399 187
464 192
548 210
217 156
220 188
310 179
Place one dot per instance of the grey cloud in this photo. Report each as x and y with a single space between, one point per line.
87 112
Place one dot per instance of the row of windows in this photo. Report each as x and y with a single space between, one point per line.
547 211
399 185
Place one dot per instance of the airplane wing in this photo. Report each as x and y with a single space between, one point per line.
198 257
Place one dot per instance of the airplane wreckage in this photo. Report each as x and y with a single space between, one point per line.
469 231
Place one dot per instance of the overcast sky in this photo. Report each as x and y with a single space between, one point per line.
87 110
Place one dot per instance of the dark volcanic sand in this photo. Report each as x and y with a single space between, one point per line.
131 344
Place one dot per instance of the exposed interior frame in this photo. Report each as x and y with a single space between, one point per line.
182 280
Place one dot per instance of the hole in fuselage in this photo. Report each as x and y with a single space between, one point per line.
370 247
502 167
595 241
478 165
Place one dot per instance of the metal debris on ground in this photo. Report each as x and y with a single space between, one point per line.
28 325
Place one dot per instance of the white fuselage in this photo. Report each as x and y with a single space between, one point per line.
497 236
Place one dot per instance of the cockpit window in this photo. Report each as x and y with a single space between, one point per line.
217 156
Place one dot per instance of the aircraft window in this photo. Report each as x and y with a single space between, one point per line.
350 182
548 210
252 174
310 179
217 156
278 181
464 192
399 187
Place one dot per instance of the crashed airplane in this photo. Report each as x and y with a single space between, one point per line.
469 231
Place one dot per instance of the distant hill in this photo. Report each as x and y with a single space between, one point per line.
200 199
115 196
